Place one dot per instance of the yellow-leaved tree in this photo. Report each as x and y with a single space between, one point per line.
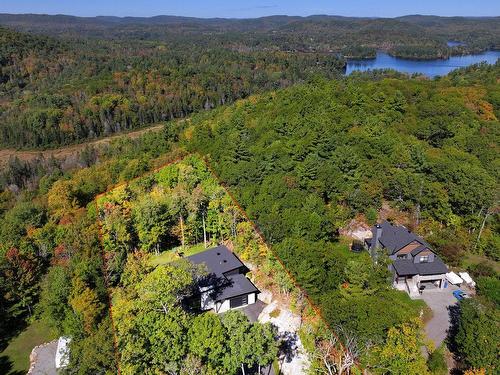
85 303
401 354
475 371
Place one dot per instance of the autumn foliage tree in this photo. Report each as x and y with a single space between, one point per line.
19 281
401 352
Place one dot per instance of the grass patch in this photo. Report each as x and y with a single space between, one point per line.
474 259
427 314
275 313
164 258
171 255
16 355
307 338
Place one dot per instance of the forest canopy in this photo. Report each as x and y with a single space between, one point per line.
81 78
305 160
303 149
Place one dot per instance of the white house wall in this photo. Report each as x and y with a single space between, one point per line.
251 298
225 305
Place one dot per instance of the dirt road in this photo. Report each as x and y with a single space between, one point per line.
63 152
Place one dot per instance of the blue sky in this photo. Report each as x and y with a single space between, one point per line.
253 8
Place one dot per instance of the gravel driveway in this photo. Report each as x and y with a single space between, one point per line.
439 301
294 360
44 359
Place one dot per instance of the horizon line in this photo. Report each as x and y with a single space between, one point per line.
245 18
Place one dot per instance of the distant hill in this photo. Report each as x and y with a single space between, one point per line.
351 35
53 23
66 79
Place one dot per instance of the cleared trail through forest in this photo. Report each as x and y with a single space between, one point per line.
63 152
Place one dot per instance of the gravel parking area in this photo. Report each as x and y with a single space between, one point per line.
43 359
439 302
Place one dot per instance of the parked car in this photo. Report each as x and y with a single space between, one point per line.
460 294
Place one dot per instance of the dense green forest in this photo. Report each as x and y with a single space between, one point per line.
51 258
181 205
50 100
95 76
302 162
330 149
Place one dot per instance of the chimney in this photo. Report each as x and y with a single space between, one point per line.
376 238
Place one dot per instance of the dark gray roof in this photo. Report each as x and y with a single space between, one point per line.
436 267
395 237
237 286
218 260
419 249
406 267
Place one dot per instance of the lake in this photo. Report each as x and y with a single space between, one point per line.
430 68
452 43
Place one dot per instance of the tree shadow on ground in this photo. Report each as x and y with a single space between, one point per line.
288 347
11 328
15 327
454 312
6 366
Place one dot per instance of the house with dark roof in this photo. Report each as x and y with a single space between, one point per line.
415 266
225 287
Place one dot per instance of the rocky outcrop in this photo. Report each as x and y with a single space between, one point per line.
357 230
265 296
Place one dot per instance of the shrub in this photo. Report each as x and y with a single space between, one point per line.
437 363
481 269
489 287
275 313
371 216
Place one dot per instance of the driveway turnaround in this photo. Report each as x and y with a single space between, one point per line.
43 359
439 302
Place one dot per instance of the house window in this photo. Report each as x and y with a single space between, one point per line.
401 256
424 259
238 301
